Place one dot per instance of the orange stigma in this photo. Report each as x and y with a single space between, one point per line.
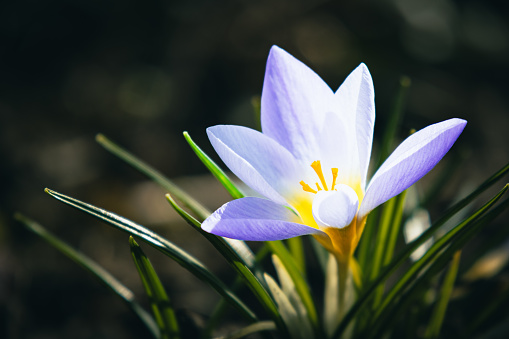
317 167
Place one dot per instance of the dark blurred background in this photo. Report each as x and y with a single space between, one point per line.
141 72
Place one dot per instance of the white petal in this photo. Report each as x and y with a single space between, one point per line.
335 208
256 219
356 102
294 103
257 160
415 157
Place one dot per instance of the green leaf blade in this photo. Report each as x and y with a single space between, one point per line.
394 119
224 245
214 169
163 245
241 258
161 306
400 259
95 269
392 312
435 249
301 285
438 313
155 175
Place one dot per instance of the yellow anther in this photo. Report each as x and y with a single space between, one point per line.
317 166
334 177
307 188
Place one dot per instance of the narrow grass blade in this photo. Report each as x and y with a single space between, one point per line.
394 119
231 249
240 248
214 169
391 224
95 269
446 216
253 328
331 300
371 268
155 175
445 175
450 212
297 251
436 259
434 227
493 242
322 255
163 245
367 244
286 309
438 314
218 312
437 247
395 227
288 288
467 200
220 309
390 315
301 285
161 306
383 233
395 263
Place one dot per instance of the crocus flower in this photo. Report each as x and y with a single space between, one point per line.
311 159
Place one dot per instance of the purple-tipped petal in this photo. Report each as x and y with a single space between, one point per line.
294 103
355 110
255 219
415 157
335 208
362 85
257 160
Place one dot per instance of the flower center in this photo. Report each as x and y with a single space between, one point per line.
317 167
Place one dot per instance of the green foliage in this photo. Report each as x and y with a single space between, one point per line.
155 175
242 263
301 285
438 313
394 289
163 245
433 253
214 169
390 133
95 269
161 305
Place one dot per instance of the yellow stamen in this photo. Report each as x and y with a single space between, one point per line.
334 177
318 169
307 188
